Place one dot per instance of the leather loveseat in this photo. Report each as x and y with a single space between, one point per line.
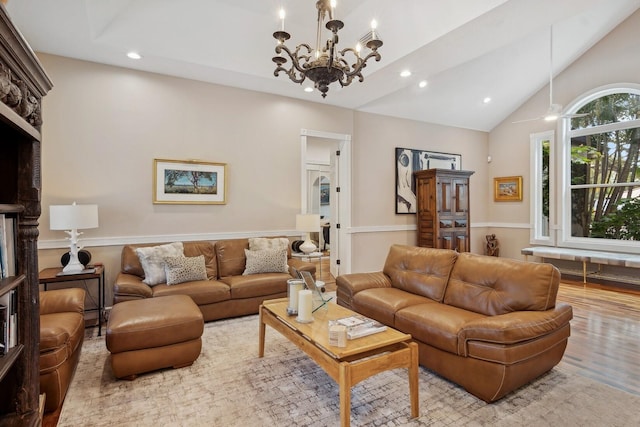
61 337
488 324
225 292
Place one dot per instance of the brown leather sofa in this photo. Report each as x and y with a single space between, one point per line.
61 337
226 292
488 324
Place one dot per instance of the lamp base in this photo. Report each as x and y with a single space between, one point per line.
73 267
307 247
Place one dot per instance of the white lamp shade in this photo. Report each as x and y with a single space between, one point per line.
73 217
308 222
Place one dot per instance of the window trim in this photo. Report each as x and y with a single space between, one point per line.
565 237
535 189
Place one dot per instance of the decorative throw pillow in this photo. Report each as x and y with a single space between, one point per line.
152 261
185 269
261 243
266 261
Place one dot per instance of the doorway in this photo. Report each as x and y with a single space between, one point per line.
325 190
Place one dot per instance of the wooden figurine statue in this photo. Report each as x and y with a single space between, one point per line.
492 248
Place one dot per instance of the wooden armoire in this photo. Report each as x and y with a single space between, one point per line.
443 209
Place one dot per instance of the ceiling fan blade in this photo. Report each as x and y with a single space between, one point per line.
528 120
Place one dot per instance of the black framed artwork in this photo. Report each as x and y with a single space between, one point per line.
408 161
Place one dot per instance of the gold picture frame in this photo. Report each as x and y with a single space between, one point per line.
507 189
189 182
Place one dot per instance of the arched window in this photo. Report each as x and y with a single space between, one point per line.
601 171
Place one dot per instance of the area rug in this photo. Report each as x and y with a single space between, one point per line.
229 385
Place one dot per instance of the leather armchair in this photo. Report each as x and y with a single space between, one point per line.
61 337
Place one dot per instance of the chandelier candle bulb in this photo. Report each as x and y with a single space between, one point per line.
282 15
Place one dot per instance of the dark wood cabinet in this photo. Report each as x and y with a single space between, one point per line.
443 209
23 83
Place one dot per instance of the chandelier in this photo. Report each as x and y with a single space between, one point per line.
326 64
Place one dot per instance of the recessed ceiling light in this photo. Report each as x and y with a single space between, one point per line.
308 89
134 55
422 84
405 73
486 100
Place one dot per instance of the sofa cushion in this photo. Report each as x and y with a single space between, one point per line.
260 243
436 324
420 271
201 292
257 285
152 261
272 260
185 269
383 303
230 256
206 249
492 286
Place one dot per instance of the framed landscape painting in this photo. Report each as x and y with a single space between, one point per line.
508 189
409 161
189 182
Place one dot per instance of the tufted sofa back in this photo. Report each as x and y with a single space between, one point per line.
420 271
492 286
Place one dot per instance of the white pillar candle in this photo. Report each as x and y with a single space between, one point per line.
304 306
294 288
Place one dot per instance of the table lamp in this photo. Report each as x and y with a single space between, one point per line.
70 218
308 223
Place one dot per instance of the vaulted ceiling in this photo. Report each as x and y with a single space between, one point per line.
467 50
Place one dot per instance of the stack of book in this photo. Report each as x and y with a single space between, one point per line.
8 321
7 246
359 326
8 300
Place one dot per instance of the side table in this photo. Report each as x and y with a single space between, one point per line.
313 255
52 275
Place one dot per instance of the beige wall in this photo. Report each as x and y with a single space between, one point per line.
374 180
104 125
614 59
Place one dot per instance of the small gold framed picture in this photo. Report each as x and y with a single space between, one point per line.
508 189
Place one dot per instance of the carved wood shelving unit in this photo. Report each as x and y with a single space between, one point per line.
23 84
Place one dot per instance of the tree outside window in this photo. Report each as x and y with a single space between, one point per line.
604 168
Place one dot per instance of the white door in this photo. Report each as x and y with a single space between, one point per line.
327 154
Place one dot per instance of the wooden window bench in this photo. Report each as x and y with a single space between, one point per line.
585 256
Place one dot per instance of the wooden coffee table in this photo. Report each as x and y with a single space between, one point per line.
360 359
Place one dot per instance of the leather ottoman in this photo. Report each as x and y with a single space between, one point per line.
154 333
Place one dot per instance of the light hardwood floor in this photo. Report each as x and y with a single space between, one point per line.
605 334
